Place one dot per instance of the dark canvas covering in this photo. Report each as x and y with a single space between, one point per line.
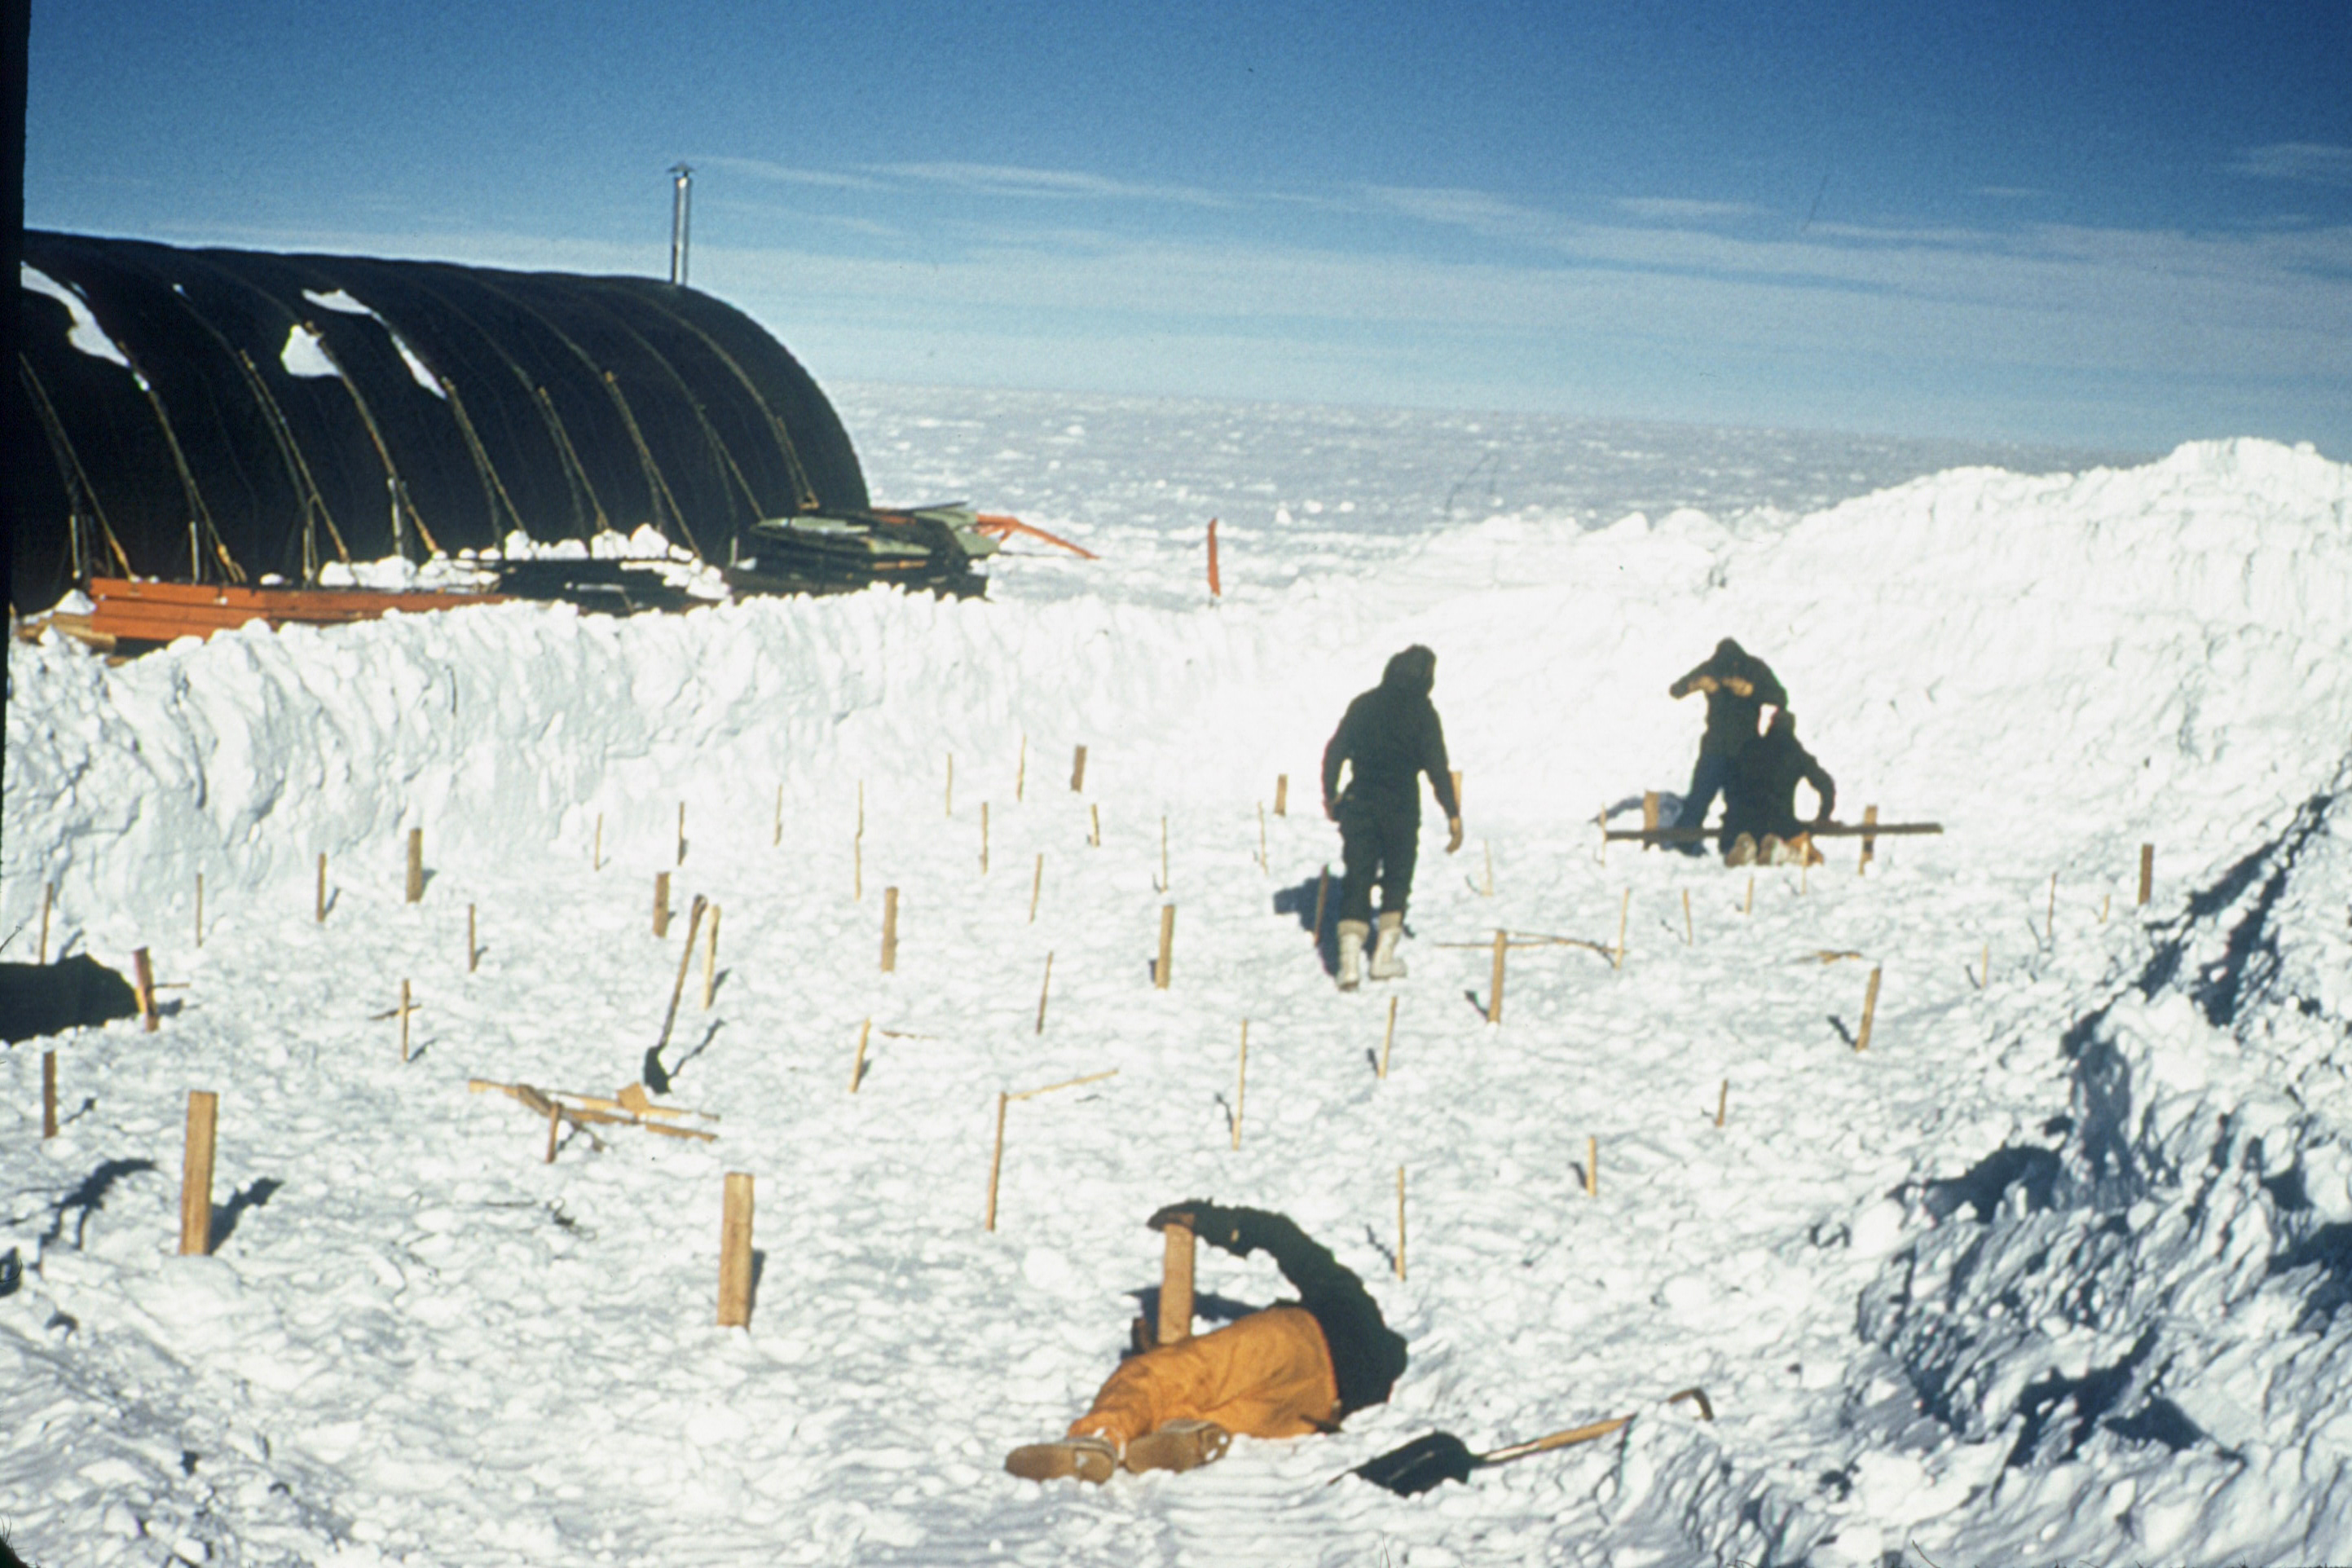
563 405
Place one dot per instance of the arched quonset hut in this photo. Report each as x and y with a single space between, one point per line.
222 415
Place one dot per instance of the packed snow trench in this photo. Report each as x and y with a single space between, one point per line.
2052 1272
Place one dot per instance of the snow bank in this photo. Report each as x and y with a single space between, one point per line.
2054 1266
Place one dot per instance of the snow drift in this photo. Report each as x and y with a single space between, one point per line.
2053 1268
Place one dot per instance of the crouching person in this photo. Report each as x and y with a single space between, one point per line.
1760 825
1292 1369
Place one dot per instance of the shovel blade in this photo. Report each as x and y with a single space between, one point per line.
1420 1465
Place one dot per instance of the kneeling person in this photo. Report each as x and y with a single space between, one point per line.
1759 801
1285 1371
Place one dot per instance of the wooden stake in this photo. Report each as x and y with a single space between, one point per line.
1389 1039
710 960
404 1020
861 808
595 848
1869 1012
983 838
555 1128
857 870
681 833
196 1175
1400 1261
144 972
2104 899
1282 794
415 864
1094 834
1869 840
473 948
1749 907
777 839
1690 932
857 1067
319 907
996 1160
1078 771
685 959
951 783
1495 984
889 930
200 909
1021 772
735 1253
1216 589
1592 1167
1240 1084
661 905
1037 886
1722 1102
2146 873
1044 989
1984 967
1175 1284
1624 910
49 1094
49 895
1167 945
1322 895
1649 816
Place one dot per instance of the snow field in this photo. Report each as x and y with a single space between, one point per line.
424 1344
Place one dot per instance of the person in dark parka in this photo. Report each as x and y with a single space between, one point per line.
1389 737
1760 800
1738 685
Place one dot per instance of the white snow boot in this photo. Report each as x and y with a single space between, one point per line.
1351 953
1386 964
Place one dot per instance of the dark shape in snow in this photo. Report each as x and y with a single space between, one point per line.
74 993
2060 1413
1988 1183
2158 1421
255 1195
90 1196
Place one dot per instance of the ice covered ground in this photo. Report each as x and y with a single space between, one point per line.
2051 1273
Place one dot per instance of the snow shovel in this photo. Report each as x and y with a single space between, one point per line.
1427 1462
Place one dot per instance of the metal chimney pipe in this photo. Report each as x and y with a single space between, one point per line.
680 210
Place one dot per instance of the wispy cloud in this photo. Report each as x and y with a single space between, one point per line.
2303 163
1060 184
786 174
1676 209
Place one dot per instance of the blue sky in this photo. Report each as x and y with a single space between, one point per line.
2095 223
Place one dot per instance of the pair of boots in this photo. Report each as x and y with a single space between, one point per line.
1178 1445
1386 964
